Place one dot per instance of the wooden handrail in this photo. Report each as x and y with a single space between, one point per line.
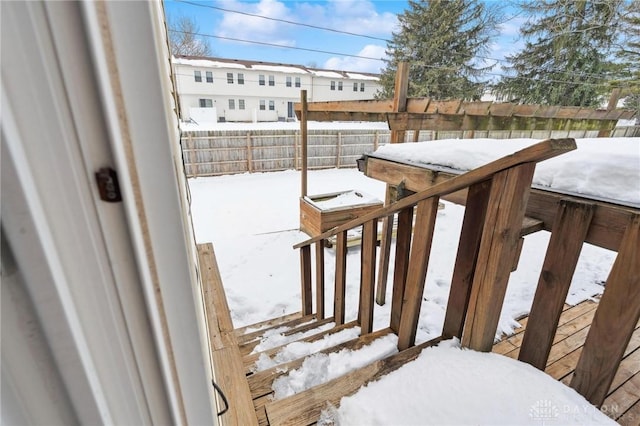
540 151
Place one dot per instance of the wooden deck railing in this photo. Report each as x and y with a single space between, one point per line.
496 202
501 188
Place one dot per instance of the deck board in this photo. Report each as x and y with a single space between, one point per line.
225 356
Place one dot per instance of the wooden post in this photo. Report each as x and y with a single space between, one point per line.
192 155
568 233
305 272
367 275
376 140
249 154
338 150
341 277
320 279
401 267
503 221
399 105
303 141
418 262
465 265
296 164
614 322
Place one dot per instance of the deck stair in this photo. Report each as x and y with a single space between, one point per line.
582 345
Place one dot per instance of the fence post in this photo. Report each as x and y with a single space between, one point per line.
295 151
338 150
249 154
376 141
191 156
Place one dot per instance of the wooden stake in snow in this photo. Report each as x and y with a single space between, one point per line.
303 141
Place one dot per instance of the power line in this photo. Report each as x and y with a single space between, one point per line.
317 27
283 46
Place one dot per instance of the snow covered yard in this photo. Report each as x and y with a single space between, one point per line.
252 221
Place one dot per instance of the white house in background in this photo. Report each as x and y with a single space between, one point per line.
216 89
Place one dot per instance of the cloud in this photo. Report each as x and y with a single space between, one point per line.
361 16
347 63
253 28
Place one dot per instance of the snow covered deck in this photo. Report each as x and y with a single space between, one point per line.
249 376
597 355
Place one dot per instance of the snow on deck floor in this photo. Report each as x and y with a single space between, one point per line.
447 385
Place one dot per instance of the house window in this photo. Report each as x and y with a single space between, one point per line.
333 85
355 87
339 85
288 81
240 78
272 105
230 77
261 80
232 104
297 81
209 76
206 103
272 80
240 102
262 105
362 87
198 76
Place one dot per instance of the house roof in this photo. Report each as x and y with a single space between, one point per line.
213 62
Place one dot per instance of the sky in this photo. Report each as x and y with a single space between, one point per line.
375 19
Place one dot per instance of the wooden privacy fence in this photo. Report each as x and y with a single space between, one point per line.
212 153
219 153
496 199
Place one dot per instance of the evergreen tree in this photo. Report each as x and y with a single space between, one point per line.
441 39
629 54
567 56
184 39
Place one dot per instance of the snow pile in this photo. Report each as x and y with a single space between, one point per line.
321 368
447 385
298 350
600 167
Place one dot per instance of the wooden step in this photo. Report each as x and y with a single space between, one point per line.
305 407
267 323
295 322
261 382
250 360
247 348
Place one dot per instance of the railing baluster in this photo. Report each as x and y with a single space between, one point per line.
568 233
418 261
341 277
617 315
465 265
305 272
367 275
320 279
401 266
